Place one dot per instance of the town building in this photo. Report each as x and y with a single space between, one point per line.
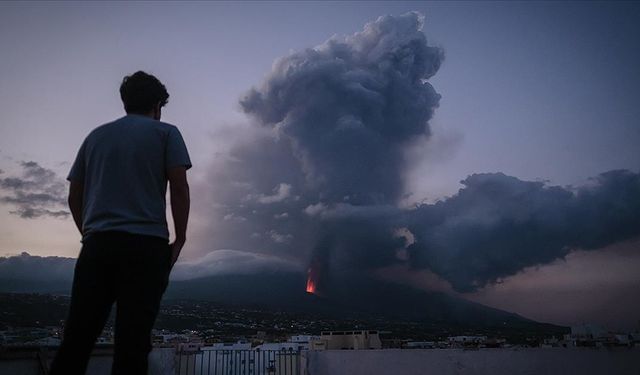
347 340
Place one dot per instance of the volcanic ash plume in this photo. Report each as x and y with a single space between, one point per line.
320 178
350 105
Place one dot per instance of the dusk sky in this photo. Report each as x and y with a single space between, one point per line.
544 93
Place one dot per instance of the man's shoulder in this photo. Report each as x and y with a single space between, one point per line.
105 127
140 122
165 125
144 121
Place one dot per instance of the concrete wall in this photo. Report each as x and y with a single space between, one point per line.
161 362
550 361
466 362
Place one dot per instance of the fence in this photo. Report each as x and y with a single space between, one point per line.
238 362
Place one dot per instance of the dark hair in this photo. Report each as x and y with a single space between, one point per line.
141 92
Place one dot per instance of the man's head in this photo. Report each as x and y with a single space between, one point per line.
143 94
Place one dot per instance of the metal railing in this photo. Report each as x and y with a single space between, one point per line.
238 362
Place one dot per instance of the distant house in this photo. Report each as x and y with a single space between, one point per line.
295 343
347 340
240 345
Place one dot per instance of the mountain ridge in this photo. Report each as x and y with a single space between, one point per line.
285 291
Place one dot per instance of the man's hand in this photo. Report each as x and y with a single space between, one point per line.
176 247
76 193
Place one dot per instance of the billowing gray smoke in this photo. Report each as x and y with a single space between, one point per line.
319 180
349 106
498 224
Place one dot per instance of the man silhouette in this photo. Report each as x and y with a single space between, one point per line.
117 200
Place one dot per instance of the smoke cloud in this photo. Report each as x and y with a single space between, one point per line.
319 178
349 106
497 225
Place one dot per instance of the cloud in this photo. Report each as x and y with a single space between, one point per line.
315 209
280 238
232 217
497 225
38 192
280 193
221 262
349 107
32 213
333 124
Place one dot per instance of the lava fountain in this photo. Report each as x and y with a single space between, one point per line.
311 281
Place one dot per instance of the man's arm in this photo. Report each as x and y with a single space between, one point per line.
76 192
179 191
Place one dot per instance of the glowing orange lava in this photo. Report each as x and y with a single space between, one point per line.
311 283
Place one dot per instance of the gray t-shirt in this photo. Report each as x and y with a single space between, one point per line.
123 165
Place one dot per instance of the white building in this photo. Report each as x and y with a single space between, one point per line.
588 331
347 340
240 345
303 338
282 346
295 343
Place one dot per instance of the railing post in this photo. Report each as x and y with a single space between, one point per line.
208 362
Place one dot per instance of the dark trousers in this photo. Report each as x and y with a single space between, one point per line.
128 269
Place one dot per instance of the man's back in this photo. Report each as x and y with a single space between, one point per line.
123 165
117 190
